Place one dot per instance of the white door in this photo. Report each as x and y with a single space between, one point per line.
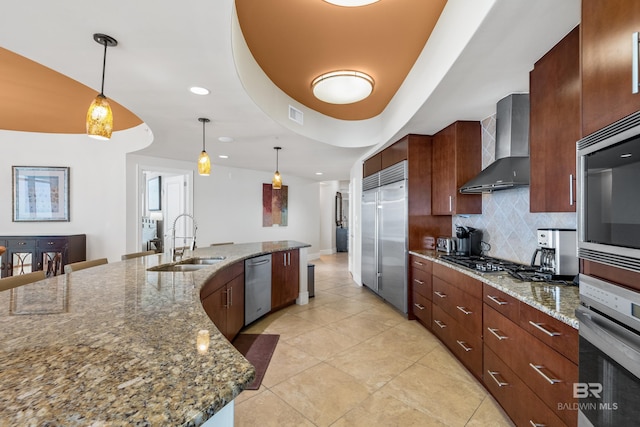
176 203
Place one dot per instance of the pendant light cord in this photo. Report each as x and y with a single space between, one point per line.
277 168
203 123
104 65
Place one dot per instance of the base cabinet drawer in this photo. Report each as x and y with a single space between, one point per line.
464 308
519 402
465 345
422 309
421 282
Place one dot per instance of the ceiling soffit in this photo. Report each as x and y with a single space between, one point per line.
295 42
39 99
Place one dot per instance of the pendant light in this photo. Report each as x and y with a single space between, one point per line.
204 163
277 179
99 116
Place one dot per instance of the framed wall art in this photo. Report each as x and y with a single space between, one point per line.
275 206
154 186
40 193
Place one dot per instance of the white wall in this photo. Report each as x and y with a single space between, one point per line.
227 204
327 199
96 187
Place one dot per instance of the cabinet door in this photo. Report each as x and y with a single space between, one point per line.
292 285
284 278
607 28
52 255
21 256
235 312
555 126
443 172
215 305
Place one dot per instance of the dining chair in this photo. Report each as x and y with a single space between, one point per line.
136 254
21 279
81 265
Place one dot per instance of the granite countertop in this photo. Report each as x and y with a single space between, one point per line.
557 300
116 344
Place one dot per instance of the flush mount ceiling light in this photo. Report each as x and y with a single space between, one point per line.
204 163
276 183
351 3
342 87
99 115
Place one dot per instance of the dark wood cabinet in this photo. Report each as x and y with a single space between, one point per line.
607 28
420 280
34 253
457 315
372 165
285 278
526 342
457 151
223 300
555 118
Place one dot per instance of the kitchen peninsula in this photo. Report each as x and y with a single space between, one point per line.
116 344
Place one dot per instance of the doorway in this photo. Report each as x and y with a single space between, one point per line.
156 220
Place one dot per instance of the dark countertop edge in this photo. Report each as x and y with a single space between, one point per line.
571 321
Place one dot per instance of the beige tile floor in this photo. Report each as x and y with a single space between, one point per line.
349 359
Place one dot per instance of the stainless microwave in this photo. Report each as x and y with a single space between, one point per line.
608 182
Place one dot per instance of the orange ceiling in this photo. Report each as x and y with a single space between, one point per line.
295 41
38 99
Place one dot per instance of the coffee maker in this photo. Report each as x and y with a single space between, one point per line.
557 249
469 241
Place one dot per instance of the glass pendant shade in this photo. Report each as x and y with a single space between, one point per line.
100 119
276 183
204 164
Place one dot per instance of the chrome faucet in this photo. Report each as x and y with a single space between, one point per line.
174 251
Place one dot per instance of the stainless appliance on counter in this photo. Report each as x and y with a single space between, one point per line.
257 287
609 195
609 369
384 234
558 254
446 245
469 241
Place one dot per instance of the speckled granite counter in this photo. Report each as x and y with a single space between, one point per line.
558 301
116 344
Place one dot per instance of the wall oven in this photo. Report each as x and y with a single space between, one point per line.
608 182
609 371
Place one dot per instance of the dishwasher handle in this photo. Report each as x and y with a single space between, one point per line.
256 263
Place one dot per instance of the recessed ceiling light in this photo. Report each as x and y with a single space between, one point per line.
223 156
225 139
318 173
342 87
199 90
351 3
624 156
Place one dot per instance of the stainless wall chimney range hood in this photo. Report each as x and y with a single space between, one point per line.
511 167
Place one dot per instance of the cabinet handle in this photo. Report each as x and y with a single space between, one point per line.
494 376
22 243
226 299
495 331
418 263
546 331
440 294
289 258
50 243
635 40
230 297
420 306
570 189
497 300
538 369
535 424
419 282
450 203
464 345
464 310
284 260
440 324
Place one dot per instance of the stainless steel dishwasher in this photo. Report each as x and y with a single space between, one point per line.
257 287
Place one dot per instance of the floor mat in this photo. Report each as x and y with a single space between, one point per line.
257 349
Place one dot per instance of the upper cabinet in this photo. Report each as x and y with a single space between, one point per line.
457 151
555 126
607 61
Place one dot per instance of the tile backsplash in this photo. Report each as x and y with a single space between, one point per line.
506 222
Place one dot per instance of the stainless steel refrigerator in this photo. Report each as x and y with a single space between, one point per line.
384 234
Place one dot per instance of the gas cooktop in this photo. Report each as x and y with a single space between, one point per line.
487 264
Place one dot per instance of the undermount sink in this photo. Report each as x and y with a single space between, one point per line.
202 261
191 264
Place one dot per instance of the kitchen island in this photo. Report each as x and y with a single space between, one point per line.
116 344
